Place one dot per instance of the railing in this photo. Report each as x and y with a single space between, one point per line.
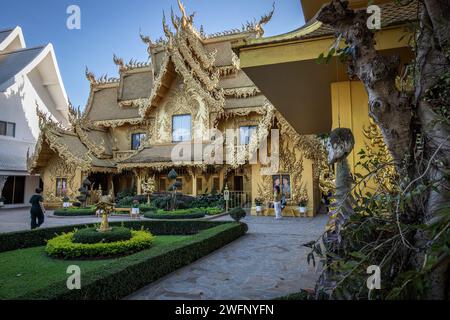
239 199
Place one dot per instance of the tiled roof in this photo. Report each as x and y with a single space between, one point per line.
13 62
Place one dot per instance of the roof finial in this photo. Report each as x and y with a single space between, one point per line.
264 20
90 76
165 26
185 20
118 61
175 20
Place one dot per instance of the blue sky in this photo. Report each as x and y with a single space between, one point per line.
112 27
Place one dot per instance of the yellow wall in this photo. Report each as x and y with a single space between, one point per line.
350 110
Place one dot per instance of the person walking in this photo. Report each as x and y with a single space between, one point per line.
37 210
277 202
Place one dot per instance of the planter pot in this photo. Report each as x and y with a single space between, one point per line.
258 209
66 204
303 210
134 210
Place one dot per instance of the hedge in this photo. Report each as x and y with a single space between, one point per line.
38 237
64 247
91 235
170 216
129 275
192 213
72 212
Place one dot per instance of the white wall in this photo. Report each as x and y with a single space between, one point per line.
18 105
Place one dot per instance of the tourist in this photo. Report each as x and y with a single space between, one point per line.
277 202
37 210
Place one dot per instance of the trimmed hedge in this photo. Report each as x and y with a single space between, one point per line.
91 235
192 213
73 212
169 216
131 273
64 247
35 238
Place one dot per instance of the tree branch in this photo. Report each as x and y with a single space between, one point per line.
387 106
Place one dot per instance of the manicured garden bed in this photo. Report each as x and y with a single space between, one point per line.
31 274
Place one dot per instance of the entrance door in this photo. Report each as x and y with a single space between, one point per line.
238 183
14 190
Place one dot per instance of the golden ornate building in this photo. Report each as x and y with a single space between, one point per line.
131 125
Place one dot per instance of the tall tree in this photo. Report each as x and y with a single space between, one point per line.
414 123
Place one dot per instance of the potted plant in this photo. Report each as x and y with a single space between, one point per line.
2 201
135 208
303 205
258 204
66 202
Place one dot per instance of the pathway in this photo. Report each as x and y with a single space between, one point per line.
268 262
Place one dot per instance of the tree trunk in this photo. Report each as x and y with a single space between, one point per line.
402 116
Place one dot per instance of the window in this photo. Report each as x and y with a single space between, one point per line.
181 128
246 133
61 187
7 129
137 139
284 182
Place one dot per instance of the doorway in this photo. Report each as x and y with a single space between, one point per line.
238 183
14 190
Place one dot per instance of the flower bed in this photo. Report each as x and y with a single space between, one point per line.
63 246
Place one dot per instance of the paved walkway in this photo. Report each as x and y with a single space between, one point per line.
266 263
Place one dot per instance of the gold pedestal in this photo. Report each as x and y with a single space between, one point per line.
104 227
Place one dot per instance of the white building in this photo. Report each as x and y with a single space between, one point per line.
28 76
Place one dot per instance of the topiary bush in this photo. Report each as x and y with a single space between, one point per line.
63 246
237 214
91 235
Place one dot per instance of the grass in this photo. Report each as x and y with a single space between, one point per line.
29 270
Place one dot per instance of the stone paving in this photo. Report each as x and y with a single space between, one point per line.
268 262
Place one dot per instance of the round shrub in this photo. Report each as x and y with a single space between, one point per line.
63 247
237 214
91 235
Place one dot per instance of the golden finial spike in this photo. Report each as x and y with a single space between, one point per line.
90 76
264 20
165 26
118 61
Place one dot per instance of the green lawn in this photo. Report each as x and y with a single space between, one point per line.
28 270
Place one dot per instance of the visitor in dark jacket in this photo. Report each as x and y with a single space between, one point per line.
37 210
